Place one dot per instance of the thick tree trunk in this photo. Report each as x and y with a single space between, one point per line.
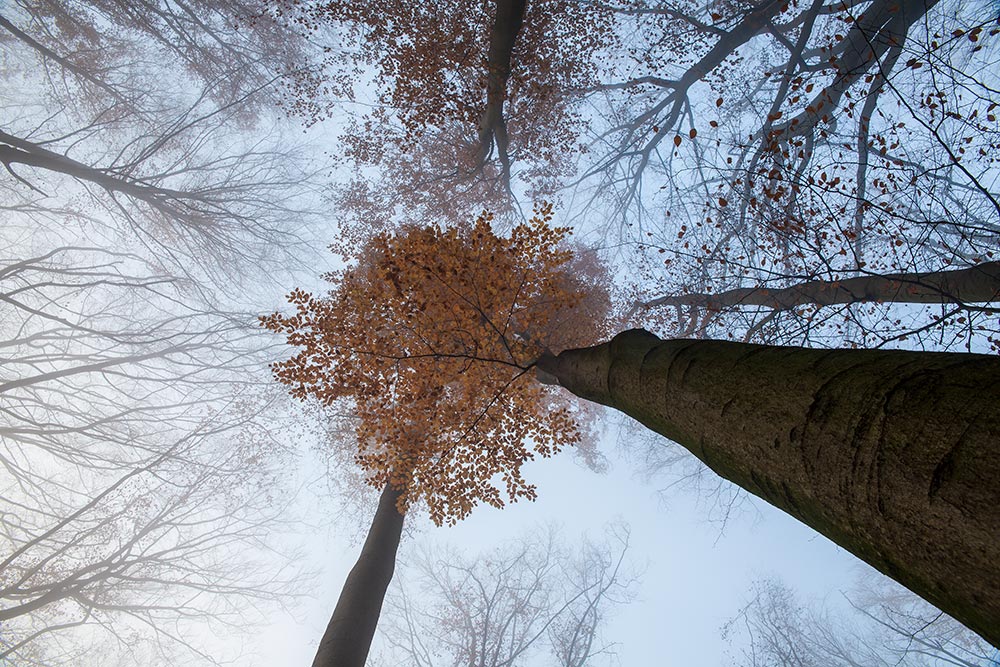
348 636
976 284
894 455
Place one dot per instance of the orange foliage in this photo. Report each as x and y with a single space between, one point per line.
432 62
432 334
429 133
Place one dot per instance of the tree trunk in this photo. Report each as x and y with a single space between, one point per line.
492 127
348 636
63 62
894 455
975 284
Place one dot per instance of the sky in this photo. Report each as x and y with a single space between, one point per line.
696 573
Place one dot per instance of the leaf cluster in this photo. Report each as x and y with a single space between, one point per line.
431 334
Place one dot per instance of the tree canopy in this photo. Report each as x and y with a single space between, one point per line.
431 333
809 172
753 159
149 183
750 145
463 106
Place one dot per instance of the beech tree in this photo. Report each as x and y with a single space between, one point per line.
882 626
473 103
891 454
430 336
802 173
491 304
883 451
805 176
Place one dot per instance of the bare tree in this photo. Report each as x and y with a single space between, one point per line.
860 307
161 151
167 551
532 596
977 284
890 627
141 494
90 51
765 145
823 70
138 462
96 344
187 183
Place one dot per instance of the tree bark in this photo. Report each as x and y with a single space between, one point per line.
492 127
976 284
894 455
348 636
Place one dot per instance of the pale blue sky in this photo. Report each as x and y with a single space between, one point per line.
697 573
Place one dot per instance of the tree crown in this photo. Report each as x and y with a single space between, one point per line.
430 334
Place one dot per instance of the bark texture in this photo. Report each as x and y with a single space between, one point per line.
975 284
348 636
894 455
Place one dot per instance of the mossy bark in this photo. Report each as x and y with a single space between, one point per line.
348 636
894 455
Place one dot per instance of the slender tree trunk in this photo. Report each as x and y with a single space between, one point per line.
894 455
492 127
348 636
976 284
65 63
